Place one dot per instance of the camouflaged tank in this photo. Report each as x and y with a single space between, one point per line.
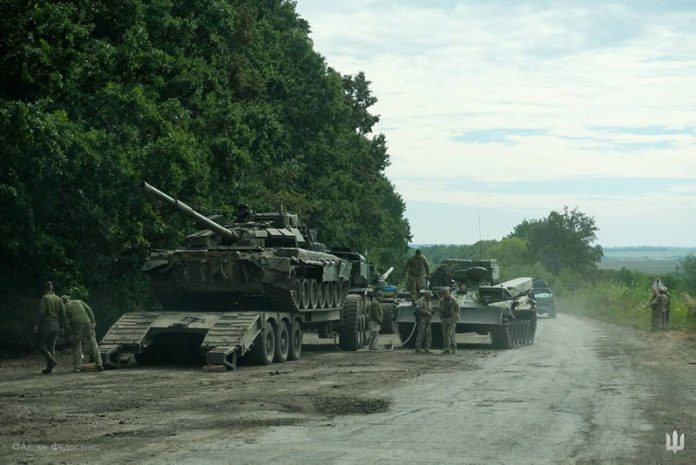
262 261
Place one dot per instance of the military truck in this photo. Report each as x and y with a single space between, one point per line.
247 287
364 282
505 311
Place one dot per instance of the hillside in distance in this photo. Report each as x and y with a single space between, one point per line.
646 259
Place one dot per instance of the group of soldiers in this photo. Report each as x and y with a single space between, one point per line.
415 270
660 306
63 315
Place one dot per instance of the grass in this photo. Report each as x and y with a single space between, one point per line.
625 305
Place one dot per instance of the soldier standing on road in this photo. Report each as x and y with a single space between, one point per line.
81 323
415 269
668 305
51 320
375 319
449 315
658 304
425 313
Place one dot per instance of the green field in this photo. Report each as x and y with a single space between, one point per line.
650 260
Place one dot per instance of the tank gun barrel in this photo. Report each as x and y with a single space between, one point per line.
190 212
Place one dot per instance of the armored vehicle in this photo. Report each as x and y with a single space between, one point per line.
254 284
505 311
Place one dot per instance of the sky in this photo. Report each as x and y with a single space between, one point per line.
498 111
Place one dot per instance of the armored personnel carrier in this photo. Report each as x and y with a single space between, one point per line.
505 311
254 284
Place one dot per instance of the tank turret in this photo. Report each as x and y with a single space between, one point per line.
259 261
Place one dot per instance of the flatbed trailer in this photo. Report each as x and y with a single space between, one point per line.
223 337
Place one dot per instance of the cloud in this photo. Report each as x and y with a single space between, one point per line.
503 91
499 135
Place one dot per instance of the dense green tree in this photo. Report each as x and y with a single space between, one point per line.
562 241
213 101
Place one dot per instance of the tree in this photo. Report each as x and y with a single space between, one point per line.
562 241
216 102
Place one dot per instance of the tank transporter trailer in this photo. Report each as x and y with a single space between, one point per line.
249 287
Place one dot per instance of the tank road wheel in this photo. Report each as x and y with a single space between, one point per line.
282 345
330 295
313 293
295 289
305 293
295 349
501 337
349 332
263 349
322 295
340 292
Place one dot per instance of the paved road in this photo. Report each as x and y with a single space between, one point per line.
584 393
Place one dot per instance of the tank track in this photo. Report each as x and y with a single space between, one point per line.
514 333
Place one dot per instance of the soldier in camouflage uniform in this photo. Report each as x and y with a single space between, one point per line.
449 315
658 304
425 313
375 319
415 269
668 305
51 322
81 323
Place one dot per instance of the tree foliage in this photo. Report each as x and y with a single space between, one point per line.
213 101
562 241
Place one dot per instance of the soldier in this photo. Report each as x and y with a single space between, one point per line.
51 320
668 305
81 323
375 319
449 315
425 313
658 304
416 267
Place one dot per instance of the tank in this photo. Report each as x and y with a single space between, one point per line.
259 261
506 311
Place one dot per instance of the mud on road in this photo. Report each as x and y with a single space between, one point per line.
585 393
126 415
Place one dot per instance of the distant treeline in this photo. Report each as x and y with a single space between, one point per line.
216 102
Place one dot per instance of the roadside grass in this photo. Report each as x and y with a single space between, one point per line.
624 305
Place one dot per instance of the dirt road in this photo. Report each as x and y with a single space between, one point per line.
584 393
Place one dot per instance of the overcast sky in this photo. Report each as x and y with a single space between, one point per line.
504 110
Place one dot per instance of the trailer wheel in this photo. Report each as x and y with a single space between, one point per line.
282 345
295 346
263 349
349 332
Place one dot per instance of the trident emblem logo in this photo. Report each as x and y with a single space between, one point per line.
676 443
